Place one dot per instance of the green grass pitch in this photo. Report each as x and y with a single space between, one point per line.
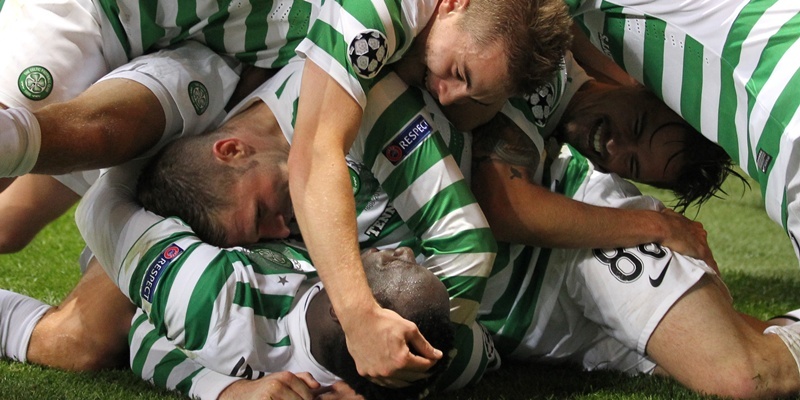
754 255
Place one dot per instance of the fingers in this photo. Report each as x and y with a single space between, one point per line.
422 347
383 349
308 380
412 367
338 391
288 386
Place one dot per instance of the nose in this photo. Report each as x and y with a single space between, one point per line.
405 254
452 91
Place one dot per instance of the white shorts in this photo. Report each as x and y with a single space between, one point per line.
193 85
53 50
599 308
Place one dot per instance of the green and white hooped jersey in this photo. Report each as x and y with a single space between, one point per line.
238 311
729 67
350 39
264 33
544 107
517 296
403 158
410 190
594 307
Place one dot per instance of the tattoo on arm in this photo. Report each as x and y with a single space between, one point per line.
511 148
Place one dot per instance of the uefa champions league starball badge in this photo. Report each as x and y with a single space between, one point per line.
368 53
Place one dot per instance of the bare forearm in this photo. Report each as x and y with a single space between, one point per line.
100 127
327 123
535 216
325 211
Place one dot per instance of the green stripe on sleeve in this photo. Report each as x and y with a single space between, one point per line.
770 138
186 17
728 101
331 41
298 30
614 31
364 12
151 32
691 97
162 372
256 31
111 9
653 57
214 32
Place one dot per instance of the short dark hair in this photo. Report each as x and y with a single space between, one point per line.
706 166
535 33
182 180
433 322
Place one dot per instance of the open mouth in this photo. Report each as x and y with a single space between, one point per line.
596 137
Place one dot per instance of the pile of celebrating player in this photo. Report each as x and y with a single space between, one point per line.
385 198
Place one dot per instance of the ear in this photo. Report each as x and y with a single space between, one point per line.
448 6
229 149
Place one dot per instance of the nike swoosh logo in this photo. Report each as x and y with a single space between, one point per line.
660 278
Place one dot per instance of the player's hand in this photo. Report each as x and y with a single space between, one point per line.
380 343
338 391
687 237
277 386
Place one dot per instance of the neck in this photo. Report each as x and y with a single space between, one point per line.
411 68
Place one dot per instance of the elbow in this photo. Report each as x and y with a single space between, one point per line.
13 243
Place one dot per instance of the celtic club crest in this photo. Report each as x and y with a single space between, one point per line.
35 82
198 95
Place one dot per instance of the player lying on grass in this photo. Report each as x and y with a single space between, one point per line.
461 50
254 142
728 67
244 312
380 220
692 272
82 332
638 309
155 193
608 123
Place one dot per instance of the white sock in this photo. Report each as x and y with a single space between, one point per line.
20 141
790 334
18 315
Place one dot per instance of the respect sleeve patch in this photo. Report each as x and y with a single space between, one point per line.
409 139
156 269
